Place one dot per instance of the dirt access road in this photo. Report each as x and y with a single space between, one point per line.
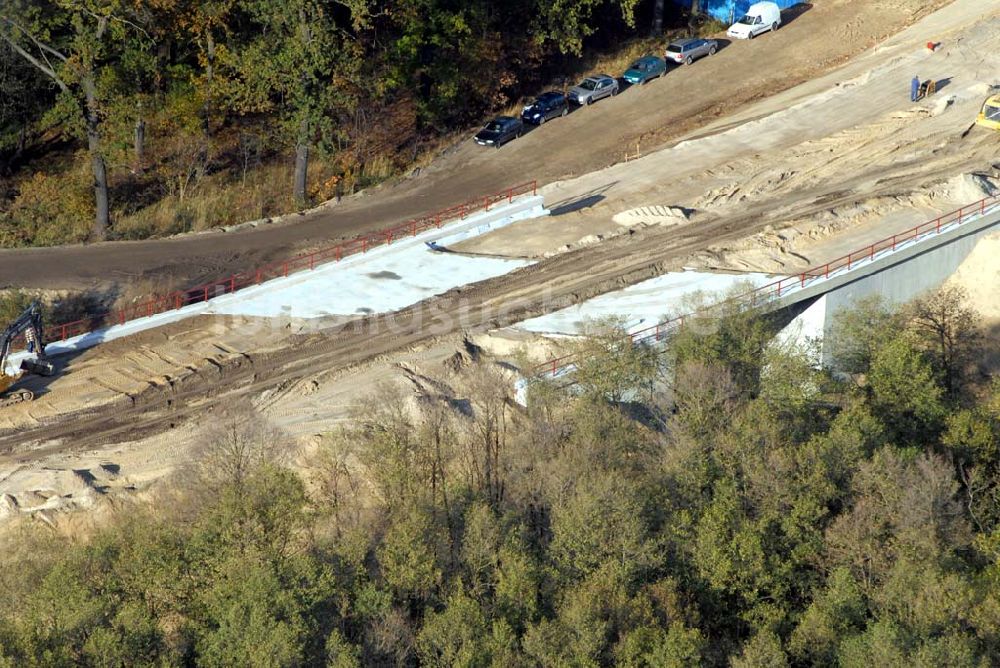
816 39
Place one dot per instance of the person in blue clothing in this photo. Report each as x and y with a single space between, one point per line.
914 89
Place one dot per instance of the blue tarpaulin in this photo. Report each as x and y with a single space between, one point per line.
728 11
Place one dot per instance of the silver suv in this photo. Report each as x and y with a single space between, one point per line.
686 51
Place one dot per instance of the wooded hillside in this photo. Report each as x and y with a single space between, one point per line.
109 108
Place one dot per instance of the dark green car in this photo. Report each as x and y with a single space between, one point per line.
644 69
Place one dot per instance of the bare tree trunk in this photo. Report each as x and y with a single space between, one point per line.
139 141
22 142
206 107
301 165
102 213
657 18
102 217
302 144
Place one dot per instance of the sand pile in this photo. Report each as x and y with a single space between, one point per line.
646 216
656 215
42 492
960 190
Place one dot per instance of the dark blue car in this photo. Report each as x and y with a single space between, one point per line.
546 107
499 131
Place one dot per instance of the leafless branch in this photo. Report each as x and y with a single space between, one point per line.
112 17
46 67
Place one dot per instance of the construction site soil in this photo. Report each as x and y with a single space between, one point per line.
798 201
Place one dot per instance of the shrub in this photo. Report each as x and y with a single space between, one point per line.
50 209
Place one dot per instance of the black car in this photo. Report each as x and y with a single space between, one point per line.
499 131
545 107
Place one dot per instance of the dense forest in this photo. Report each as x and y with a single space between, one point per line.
130 118
725 504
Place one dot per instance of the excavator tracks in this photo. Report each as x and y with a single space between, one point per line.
16 397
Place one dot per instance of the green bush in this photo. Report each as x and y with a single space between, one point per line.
50 209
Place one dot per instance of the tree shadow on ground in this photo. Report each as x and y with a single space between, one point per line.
794 12
584 201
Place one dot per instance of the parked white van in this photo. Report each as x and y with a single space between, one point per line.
761 17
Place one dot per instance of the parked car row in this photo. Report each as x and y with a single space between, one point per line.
554 104
760 17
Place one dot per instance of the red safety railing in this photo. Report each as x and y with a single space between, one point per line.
766 294
307 261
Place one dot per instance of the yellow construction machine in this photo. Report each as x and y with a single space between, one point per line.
28 323
989 117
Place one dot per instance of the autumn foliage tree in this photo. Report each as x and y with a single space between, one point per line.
73 45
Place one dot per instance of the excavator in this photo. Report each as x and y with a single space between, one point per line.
989 117
28 323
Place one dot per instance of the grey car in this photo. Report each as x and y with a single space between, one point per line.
592 89
686 51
